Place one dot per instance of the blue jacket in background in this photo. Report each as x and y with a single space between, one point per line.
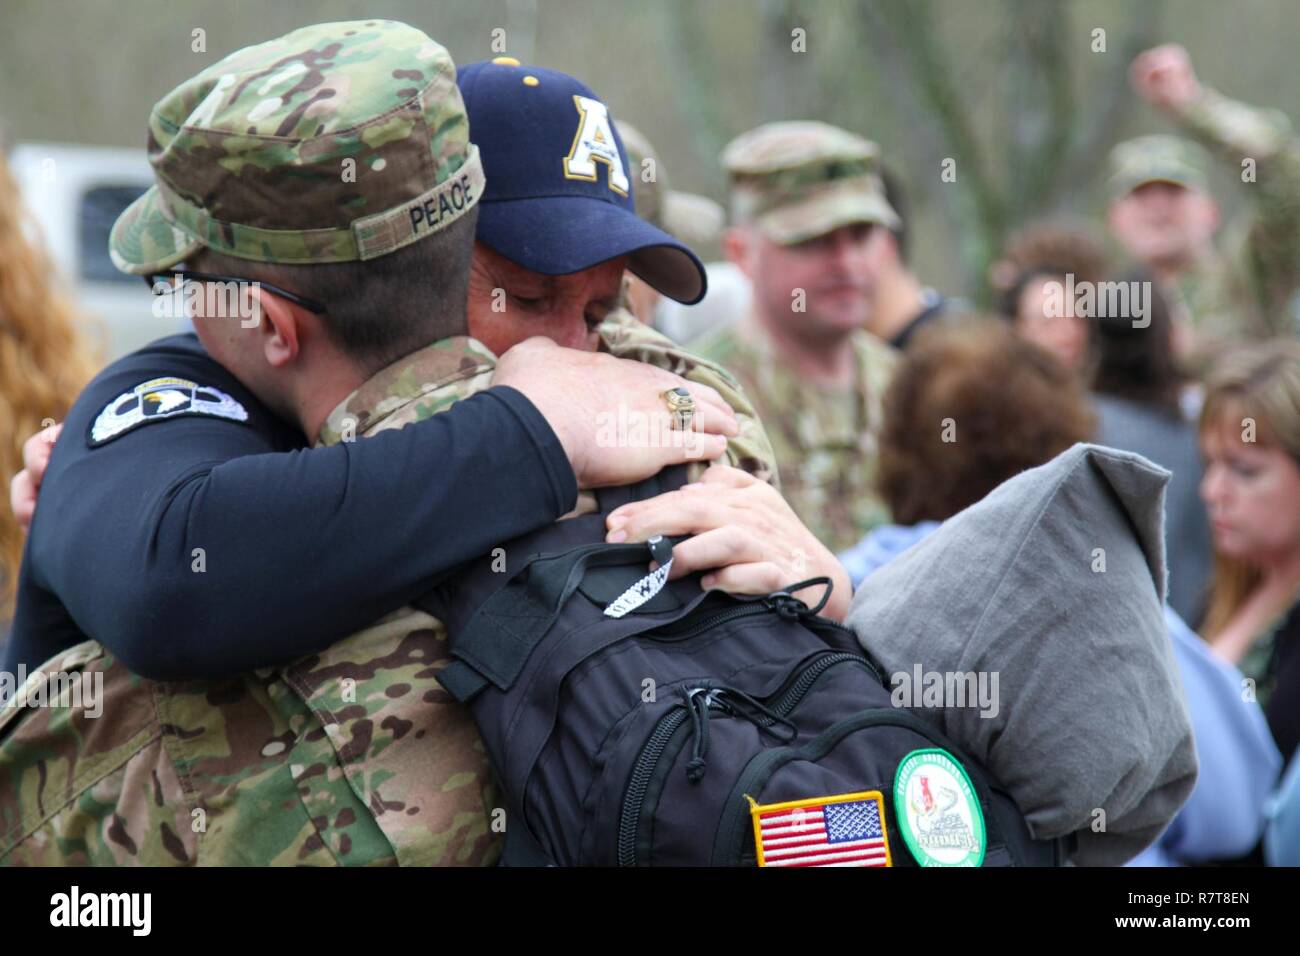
1282 837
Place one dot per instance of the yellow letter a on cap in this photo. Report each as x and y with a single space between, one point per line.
594 143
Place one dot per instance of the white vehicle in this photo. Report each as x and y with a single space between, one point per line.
75 194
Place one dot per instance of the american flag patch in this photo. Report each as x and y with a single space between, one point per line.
844 830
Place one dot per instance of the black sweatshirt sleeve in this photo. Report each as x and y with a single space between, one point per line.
192 547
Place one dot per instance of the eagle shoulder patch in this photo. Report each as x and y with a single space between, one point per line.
161 398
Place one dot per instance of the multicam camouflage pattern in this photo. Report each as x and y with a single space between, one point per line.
412 389
314 147
1250 289
354 756
1157 158
801 179
69 783
825 440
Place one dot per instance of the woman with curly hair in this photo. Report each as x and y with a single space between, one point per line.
44 359
1018 408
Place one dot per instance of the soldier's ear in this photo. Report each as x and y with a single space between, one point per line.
280 328
1117 215
1210 210
737 246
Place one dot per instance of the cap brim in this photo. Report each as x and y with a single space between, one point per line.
1123 185
560 235
143 241
826 211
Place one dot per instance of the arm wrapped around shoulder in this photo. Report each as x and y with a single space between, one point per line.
1050 593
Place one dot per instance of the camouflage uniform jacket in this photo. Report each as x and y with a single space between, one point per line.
351 756
1249 288
825 439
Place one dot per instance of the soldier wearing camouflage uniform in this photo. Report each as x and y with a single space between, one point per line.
354 755
1245 285
807 206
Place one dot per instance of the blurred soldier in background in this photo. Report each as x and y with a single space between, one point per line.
695 220
1161 212
810 226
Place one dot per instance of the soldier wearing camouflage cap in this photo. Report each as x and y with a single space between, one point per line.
363 756
287 152
252 160
331 180
1158 158
809 220
1224 286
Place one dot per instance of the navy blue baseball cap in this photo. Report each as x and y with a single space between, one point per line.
558 198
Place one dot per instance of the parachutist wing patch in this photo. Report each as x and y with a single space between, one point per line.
161 398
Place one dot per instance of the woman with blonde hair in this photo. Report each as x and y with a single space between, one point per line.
44 362
1250 438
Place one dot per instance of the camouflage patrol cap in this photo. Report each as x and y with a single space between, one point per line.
800 180
1158 158
695 220
336 142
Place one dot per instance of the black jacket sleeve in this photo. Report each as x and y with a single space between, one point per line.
195 547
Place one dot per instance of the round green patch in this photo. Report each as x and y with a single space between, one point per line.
938 810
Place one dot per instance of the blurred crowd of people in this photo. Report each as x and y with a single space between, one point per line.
893 407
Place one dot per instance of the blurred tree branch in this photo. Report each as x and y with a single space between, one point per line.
903 37
1116 98
1034 144
692 65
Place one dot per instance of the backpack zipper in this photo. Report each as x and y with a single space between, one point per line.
713 620
636 788
672 721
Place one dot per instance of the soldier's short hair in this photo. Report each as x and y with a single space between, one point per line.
380 309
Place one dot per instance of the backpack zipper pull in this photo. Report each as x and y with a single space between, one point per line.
698 702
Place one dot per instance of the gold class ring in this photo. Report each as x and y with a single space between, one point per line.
681 405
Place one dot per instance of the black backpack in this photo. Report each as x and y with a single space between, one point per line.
636 723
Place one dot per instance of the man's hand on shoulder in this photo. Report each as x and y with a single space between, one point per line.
610 414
